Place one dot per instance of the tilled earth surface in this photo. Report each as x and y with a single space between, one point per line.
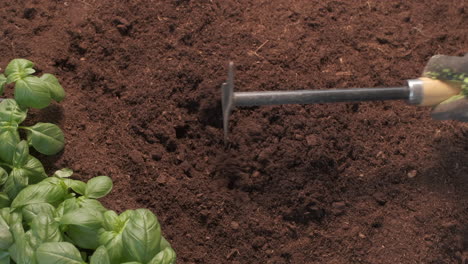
375 182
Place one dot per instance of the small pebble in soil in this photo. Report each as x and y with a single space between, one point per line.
312 140
162 179
234 225
411 174
299 137
123 25
380 198
255 174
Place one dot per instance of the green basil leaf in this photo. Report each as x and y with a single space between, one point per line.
21 154
4 221
45 229
18 69
46 138
32 92
98 187
113 243
16 182
111 235
16 225
91 204
44 192
141 236
83 217
5 215
76 185
11 112
5 257
31 170
132 262
21 251
56 91
9 138
63 173
4 200
82 227
3 176
25 251
111 221
164 243
83 236
3 81
32 211
6 238
100 256
167 256
58 253
13 253
123 217
66 206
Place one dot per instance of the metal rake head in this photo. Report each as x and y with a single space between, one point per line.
227 91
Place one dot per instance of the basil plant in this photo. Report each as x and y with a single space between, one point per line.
17 167
30 90
59 220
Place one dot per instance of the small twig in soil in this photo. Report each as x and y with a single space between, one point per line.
255 52
13 49
261 46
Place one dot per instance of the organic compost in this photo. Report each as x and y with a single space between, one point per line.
376 182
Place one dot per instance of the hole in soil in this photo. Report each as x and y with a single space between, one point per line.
180 2
181 131
65 65
171 146
272 119
192 106
305 214
324 164
212 116
187 40
29 13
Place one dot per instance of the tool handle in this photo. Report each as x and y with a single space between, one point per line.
320 96
429 92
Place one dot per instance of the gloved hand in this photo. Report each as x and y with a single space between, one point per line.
452 69
452 110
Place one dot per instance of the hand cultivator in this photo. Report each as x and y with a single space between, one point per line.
444 84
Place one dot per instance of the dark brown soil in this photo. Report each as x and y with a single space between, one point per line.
338 183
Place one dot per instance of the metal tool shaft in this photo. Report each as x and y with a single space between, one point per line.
320 96
230 99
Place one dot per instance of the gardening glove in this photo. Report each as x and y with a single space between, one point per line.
453 110
453 70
